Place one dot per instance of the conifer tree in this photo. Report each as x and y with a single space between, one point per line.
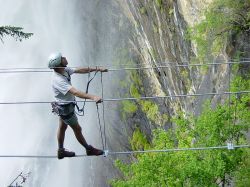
15 32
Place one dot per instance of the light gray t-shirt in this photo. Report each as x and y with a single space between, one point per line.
61 84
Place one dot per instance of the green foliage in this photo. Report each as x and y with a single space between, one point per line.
143 10
185 76
158 3
221 19
150 109
136 84
240 83
126 84
155 30
132 83
129 106
134 91
139 141
152 51
152 112
214 127
242 178
15 32
171 11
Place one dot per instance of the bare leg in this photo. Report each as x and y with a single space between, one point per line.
89 149
79 136
61 133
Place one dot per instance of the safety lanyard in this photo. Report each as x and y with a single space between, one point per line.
87 90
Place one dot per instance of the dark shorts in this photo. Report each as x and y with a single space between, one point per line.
71 121
67 114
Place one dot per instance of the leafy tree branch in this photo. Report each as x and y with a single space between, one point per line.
15 32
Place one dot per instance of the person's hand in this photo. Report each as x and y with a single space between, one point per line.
103 69
97 99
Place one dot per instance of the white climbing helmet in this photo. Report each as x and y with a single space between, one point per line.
54 60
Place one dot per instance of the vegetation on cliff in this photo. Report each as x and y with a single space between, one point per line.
214 127
228 121
223 19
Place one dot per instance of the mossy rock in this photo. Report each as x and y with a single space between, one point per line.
143 10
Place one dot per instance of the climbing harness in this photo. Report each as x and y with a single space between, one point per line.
64 111
67 77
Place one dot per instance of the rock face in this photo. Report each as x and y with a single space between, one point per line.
159 39
191 10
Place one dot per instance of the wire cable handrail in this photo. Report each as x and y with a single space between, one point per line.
167 65
127 98
229 146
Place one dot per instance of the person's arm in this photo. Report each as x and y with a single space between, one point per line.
84 95
87 70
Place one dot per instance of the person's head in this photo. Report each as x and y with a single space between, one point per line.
57 61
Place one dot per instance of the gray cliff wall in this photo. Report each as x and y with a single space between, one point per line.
159 39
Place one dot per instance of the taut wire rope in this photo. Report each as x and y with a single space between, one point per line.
121 99
167 65
99 123
229 100
237 97
229 147
103 114
232 120
128 98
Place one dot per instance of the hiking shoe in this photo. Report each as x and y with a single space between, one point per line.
61 153
91 151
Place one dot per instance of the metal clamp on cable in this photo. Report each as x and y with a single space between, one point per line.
106 152
230 145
